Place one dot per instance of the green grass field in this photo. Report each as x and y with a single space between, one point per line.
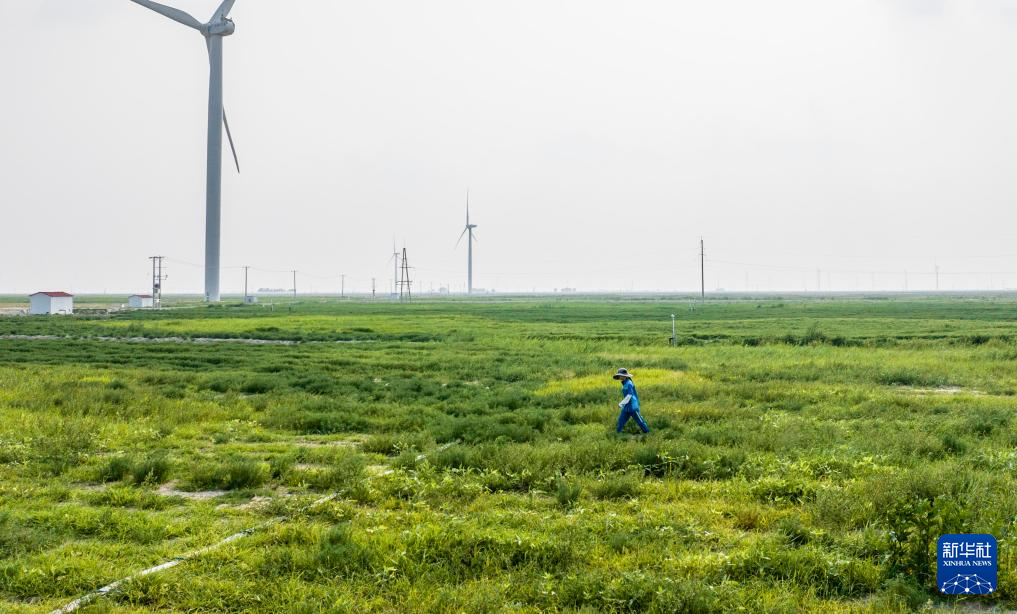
805 455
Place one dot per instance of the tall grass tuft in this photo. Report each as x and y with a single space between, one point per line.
567 492
230 474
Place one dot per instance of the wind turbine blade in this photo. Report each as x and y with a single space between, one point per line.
230 137
461 237
174 14
224 10
473 236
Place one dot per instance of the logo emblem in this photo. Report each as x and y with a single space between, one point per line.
966 564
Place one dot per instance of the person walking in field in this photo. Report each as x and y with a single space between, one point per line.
630 402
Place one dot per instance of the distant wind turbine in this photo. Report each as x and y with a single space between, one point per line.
218 26
395 268
469 246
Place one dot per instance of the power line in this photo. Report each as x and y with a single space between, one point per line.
932 277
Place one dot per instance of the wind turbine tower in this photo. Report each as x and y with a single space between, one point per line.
218 27
469 246
395 269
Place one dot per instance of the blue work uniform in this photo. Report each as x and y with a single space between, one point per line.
631 409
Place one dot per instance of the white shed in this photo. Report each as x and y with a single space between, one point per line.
51 303
140 301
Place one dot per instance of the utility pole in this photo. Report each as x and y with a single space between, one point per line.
702 269
294 285
245 284
404 280
157 278
395 269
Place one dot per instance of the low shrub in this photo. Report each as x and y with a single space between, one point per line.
797 533
828 575
340 553
691 461
617 487
115 469
126 496
470 553
346 474
909 377
229 475
281 466
259 385
389 444
154 469
915 526
782 490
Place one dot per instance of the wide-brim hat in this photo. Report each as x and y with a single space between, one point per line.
622 373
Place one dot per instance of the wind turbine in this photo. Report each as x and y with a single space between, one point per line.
219 26
469 246
395 268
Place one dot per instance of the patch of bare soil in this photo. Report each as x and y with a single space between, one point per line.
169 490
947 390
342 443
256 503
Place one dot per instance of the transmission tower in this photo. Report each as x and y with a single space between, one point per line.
157 277
404 279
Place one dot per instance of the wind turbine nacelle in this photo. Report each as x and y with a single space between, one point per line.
222 28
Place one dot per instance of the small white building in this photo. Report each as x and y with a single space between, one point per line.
51 303
140 301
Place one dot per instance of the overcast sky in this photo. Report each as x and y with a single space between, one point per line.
599 141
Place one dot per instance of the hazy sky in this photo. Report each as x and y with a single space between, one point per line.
599 141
